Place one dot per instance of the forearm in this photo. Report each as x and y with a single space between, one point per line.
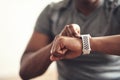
106 44
35 63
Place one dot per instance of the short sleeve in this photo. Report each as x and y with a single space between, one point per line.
43 22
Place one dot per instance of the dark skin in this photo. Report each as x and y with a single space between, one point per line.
107 44
59 50
86 6
36 57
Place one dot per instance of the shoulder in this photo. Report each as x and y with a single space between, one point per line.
116 12
55 8
59 5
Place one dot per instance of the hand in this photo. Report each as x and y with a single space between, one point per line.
72 30
66 48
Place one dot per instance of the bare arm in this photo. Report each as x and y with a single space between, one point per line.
106 44
36 57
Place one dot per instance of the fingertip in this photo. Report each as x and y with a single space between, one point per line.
51 51
51 58
67 25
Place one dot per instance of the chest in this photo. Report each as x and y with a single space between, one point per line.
96 24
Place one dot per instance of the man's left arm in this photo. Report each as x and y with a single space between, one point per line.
106 44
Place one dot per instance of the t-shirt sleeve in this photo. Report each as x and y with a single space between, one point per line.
43 22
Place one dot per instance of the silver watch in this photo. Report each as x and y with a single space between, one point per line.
86 44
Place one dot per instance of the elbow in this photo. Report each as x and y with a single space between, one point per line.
26 75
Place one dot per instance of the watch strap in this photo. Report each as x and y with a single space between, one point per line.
86 44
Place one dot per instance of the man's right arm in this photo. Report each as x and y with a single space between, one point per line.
36 57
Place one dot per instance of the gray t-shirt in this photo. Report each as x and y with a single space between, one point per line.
96 66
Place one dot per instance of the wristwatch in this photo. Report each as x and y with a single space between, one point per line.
86 44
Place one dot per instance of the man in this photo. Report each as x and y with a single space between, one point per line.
95 17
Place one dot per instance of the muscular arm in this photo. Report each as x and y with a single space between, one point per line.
106 44
36 57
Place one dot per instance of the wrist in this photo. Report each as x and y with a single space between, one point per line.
93 44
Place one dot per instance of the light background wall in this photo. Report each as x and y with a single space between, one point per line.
17 19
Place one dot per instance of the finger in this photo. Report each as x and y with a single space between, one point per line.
75 29
53 58
68 31
58 55
54 45
62 51
60 48
63 32
52 48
